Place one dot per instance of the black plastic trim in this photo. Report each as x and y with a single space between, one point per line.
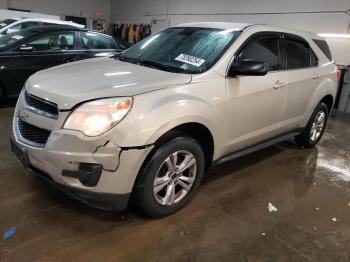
102 201
88 174
256 147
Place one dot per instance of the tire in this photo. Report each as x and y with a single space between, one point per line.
2 94
160 166
314 129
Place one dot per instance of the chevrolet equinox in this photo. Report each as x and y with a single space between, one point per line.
145 125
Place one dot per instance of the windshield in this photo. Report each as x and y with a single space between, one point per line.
9 39
188 50
6 22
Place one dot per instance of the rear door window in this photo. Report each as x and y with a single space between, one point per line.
6 22
92 40
297 54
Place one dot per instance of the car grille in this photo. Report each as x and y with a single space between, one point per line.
31 134
41 106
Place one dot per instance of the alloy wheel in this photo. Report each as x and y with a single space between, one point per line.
318 126
175 178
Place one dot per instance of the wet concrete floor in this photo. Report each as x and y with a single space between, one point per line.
227 221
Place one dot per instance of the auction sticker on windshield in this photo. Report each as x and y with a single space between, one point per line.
192 60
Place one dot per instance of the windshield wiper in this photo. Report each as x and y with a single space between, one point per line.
127 59
147 63
157 65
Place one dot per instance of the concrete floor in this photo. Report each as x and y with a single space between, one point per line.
227 221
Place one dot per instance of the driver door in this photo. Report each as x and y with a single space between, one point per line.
255 103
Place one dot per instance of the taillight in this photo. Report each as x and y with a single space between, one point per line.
338 75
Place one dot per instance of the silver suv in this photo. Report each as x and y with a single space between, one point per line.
146 125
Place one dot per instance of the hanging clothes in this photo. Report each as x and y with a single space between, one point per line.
137 33
148 30
130 38
122 36
126 36
142 33
119 31
132 33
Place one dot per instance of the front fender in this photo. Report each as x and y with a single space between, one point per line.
153 114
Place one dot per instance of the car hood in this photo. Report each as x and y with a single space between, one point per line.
73 83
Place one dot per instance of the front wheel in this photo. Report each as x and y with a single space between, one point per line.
315 128
170 178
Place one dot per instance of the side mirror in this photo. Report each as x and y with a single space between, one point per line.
25 48
248 68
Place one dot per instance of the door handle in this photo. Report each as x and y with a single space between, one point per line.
315 76
278 85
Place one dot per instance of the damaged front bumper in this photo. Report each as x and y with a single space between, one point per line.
96 172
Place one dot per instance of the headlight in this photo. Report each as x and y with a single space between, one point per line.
97 117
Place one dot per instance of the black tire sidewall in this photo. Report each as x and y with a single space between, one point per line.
320 107
144 183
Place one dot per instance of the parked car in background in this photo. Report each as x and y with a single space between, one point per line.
25 52
12 25
147 124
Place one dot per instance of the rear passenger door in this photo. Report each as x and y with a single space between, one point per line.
92 45
302 74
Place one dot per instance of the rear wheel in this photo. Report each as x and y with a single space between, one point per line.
315 128
170 178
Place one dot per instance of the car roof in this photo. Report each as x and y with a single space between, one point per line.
48 28
304 34
45 20
218 25
243 26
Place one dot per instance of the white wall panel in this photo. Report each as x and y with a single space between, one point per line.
83 8
323 16
250 6
5 14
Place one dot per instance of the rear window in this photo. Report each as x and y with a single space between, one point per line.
322 44
297 54
91 40
6 22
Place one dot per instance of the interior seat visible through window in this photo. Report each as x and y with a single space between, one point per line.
54 41
63 43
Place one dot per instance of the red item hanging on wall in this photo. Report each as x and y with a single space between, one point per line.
137 33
